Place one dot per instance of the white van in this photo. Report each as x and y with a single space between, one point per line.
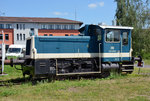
16 51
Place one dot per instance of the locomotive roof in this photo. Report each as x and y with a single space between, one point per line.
115 27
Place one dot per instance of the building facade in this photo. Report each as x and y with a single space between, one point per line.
17 29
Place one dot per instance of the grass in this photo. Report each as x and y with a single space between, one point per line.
13 57
146 61
133 87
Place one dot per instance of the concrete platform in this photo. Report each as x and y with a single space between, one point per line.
3 74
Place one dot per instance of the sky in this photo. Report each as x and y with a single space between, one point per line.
86 11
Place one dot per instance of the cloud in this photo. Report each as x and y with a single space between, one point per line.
56 13
101 4
94 5
65 13
60 13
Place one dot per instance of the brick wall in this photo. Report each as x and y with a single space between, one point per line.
10 36
42 32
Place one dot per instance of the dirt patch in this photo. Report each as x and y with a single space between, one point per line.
73 89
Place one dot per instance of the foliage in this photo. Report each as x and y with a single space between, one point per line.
135 13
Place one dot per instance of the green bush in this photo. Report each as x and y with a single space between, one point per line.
146 56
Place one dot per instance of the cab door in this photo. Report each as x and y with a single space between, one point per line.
125 45
112 45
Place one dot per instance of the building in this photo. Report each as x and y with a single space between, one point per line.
17 29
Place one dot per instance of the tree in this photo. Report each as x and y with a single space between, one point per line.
135 13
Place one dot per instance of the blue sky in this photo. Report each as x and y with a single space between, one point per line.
87 11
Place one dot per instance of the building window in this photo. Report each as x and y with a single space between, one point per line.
50 26
71 35
1 26
58 26
31 31
17 36
8 26
6 37
24 26
24 38
72 27
17 26
45 34
65 27
66 35
43 26
50 34
20 26
1 36
20 36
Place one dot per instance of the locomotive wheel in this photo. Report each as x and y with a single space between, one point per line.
130 72
30 77
51 78
105 74
34 82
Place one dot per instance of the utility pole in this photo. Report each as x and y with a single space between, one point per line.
75 15
3 53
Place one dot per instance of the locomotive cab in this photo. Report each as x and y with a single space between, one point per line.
117 48
114 46
117 43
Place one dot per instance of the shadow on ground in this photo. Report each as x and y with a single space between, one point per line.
17 81
20 81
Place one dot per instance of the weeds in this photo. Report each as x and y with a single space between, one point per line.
7 93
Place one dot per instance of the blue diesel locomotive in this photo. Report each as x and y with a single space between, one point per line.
97 49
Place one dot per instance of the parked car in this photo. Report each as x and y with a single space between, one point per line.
15 51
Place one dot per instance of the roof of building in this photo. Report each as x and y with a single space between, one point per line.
38 20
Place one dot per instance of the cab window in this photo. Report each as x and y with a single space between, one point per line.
125 38
112 35
94 30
